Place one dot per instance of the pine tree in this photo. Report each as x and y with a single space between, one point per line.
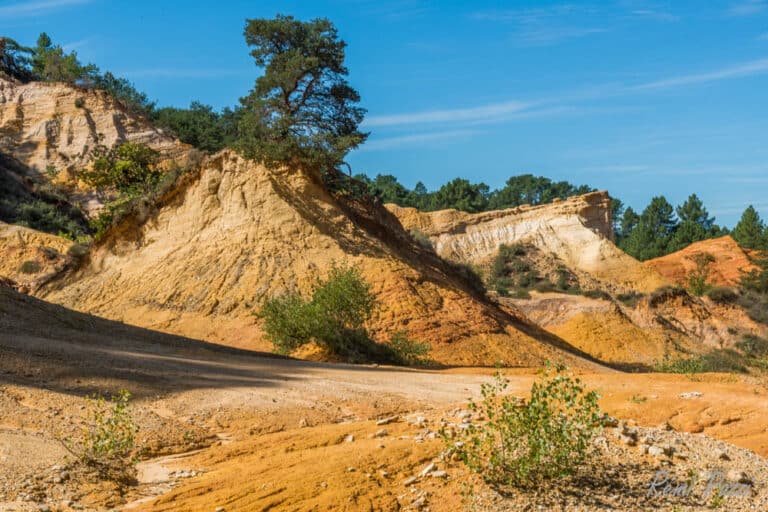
750 232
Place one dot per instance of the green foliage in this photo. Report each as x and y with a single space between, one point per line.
532 190
756 280
750 232
696 281
302 111
130 168
461 194
199 125
37 208
15 60
422 239
108 442
30 267
629 299
522 443
721 360
334 317
51 64
650 237
755 305
722 295
408 351
79 102
753 346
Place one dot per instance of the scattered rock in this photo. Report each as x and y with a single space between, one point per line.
387 421
690 394
381 433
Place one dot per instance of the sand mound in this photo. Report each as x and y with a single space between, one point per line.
237 233
730 261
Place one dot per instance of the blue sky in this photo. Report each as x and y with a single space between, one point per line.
638 97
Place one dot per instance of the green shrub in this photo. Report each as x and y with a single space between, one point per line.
755 305
422 239
409 352
79 102
520 294
720 361
696 281
629 299
334 317
521 443
597 294
30 267
544 286
723 295
753 346
108 443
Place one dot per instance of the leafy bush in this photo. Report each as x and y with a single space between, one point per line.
520 443
108 443
753 346
629 299
30 267
696 281
755 305
333 317
723 295
80 102
520 294
597 294
721 361
422 239
130 168
408 351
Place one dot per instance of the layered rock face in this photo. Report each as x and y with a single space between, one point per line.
237 233
577 230
53 128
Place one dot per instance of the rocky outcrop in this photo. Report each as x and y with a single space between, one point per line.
30 257
730 261
52 129
577 230
237 233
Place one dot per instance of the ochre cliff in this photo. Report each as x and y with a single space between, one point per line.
52 129
577 230
237 233
730 261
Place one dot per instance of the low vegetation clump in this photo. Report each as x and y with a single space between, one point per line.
410 352
334 318
30 267
722 295
697 279
629 299
523 442
755 349
422 239
108 442
717 361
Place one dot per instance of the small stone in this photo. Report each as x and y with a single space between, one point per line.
44 508
418 439
219 509
349 439
609 421
723 455
380 433
691 394
439 474
303 423
655 450
351 470
427 470
384 474
410 481
387 421
644 448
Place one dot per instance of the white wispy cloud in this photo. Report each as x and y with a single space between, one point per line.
181 73
413 139
755 67
485 112
748 7
37 7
